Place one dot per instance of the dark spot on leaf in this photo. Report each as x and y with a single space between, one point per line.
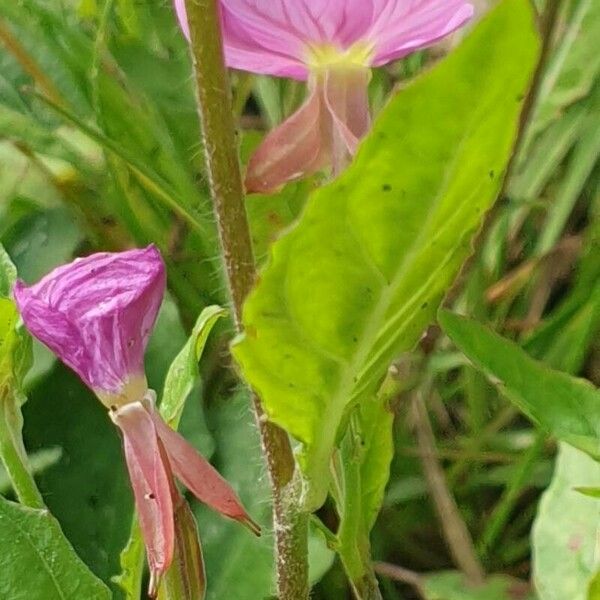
492 174
275 219
386 187
424 305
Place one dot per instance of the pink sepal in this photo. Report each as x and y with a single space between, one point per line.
326 130
300 146
152 482
199 476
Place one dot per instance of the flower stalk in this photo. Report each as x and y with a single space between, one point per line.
220 144
13 454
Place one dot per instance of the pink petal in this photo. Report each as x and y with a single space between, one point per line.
152 484
260 39
254 44
181 12
199 476
300 146
97 314
402 27
287 27
273 36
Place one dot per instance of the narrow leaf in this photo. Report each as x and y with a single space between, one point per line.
590 492
366 454
183 372
8 273
567 407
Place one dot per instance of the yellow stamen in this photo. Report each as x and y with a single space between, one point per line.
328 56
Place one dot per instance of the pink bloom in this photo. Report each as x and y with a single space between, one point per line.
332 44
97 314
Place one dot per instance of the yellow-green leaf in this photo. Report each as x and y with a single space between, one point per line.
360 277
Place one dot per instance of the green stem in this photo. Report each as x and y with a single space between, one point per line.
220 145
354 548
14 458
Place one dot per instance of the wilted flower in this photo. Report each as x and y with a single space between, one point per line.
332 44
97 314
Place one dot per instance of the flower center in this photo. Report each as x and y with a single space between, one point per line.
328 56
133 390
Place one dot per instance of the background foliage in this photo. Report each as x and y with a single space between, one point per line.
99 149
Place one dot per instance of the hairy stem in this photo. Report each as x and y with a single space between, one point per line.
220 144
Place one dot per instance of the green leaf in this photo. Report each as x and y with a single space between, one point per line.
8 273
131 560
451 585
15 350
566 530
247 571
183 372
574 64
366 454
88 490
590 492
269 215
41 563
15 360
594 589
567 407
361 276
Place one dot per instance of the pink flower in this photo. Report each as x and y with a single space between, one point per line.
97 314
332 44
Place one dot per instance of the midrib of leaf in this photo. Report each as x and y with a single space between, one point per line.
39 554
349 383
